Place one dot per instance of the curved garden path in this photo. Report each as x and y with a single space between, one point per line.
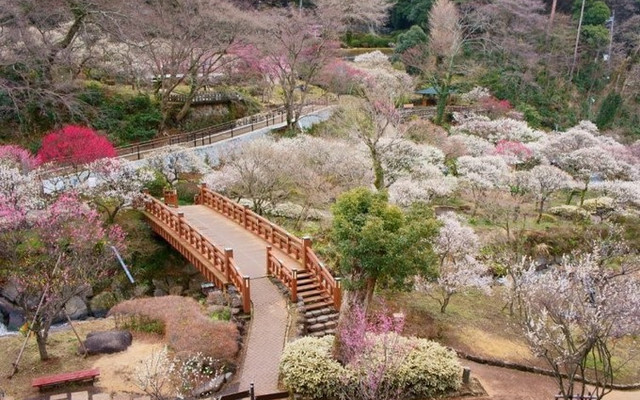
267 333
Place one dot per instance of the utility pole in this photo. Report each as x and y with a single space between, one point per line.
575 50
610 52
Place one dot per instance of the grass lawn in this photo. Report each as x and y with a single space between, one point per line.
479 324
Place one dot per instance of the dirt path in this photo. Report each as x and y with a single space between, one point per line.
507 384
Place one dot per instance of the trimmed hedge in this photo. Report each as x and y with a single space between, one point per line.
422 369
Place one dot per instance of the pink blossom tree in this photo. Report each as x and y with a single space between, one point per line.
362 339
296 45
456 247
68 251
74 146
572 313
18 157
339 77
513 152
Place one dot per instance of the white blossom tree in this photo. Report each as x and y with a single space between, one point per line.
500 129
260 170
423 184
173 162
587 163
456 247
115 184
481 174
544 180
571 313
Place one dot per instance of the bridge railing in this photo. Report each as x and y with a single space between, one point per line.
216 264
297 248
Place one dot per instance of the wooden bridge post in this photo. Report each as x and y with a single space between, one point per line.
180 219
246 294
268 258
306 244
244 217
228 253
200 196
337 294
294 285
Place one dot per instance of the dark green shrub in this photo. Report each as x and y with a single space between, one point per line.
608 110
140 323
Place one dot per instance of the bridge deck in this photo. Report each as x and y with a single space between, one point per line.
266 336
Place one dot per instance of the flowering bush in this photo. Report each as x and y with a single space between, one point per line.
307 368
476 94
600 205
570 212
425 368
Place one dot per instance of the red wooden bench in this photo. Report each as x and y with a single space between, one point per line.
88 375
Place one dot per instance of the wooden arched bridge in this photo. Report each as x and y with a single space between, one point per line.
233 246
197 232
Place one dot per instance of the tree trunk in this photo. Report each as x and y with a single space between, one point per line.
379 173
540 208
441 107
551 17
351 299
445 302
41 338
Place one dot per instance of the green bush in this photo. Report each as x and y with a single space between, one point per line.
573 213
126 119
423 369
367 40
221 315
608 110
140 323
599 205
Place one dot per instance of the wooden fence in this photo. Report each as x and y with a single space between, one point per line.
216 264
298 249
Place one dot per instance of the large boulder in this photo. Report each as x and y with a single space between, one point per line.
107 342
6 308
16 320
101 303
10 291
76 308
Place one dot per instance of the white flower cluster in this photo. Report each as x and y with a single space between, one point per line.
499 129
475 95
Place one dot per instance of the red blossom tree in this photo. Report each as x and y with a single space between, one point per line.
74 145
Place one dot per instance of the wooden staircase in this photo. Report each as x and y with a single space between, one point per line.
321 316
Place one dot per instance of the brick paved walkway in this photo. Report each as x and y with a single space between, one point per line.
266 336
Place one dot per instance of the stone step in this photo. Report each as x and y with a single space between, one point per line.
321 326
322 318
318 312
